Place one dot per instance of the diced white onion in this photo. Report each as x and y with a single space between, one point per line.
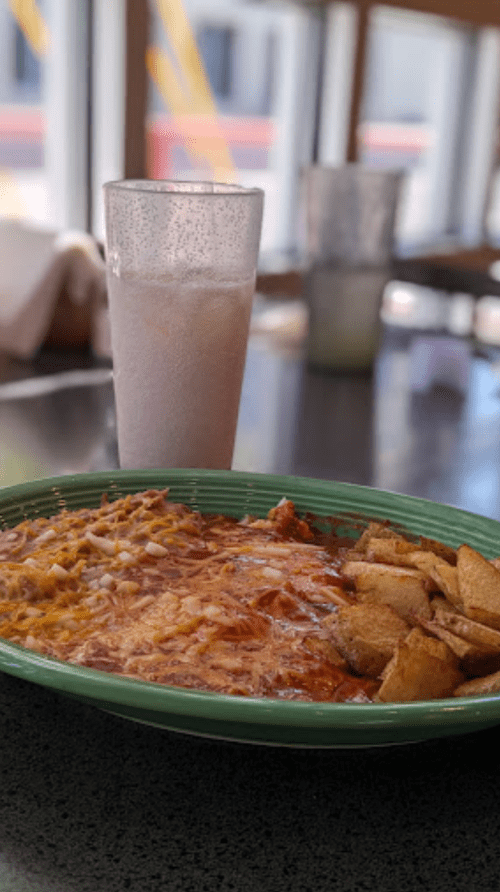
58 571
155 549
106 545
271 573
46 536
191 604
143 602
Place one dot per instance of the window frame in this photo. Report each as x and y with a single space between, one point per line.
485 14
22 49
227 37
66 96
468 225
108 103
295 99
298 79
465 176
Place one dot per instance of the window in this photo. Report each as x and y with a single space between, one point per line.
44 103
27 68
419 92
416 81
217 47
233 96
252 91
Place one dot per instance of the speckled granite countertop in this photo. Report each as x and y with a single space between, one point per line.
92 803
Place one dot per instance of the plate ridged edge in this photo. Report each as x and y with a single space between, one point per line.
227 489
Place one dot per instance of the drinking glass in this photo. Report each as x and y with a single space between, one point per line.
181 261
351 214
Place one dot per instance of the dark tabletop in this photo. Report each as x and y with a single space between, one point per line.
93 803
90 802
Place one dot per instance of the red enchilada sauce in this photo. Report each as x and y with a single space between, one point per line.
149 589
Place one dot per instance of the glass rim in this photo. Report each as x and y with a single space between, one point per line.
214 189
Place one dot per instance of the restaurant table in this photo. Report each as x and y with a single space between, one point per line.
90 802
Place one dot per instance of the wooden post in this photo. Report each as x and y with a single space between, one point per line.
136 85
363 14
485 13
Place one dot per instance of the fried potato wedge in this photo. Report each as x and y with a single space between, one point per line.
394 550
468 629
422 668
441 574
367 635
474 659
440 601
374 530
479 585
450 598
401 588
489 684
462 648
325 648
439 549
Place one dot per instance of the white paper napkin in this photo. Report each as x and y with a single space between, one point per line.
36 268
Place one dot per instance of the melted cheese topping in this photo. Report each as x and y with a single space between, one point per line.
150 589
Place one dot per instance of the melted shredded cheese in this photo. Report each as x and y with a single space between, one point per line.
150 589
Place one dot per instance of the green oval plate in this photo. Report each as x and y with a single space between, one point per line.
263 721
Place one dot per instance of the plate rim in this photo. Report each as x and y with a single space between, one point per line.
356 717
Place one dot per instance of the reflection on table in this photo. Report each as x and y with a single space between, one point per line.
427 429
